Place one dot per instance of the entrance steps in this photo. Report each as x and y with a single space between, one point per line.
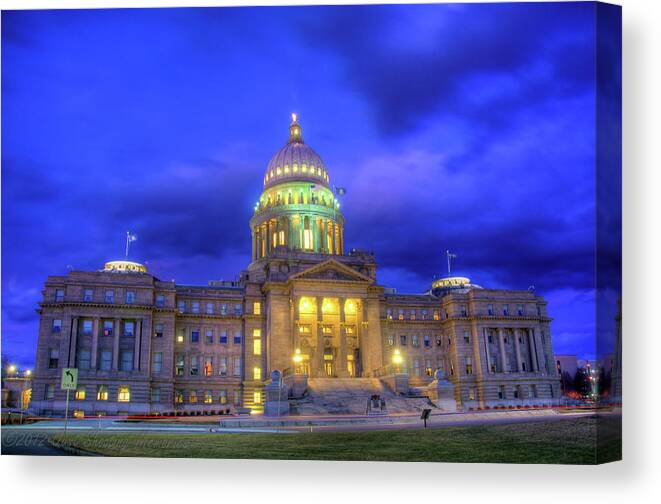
349 396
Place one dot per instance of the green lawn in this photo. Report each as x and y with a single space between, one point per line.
569 441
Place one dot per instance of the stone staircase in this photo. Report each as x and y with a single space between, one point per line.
249 389
348 396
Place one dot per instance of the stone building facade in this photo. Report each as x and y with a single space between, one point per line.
303 306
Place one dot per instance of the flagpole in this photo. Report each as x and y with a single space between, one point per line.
128 233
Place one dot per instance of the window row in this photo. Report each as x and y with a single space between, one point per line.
210 308
86 327
80 394
411 314
204 365
222 338
206 397
109 296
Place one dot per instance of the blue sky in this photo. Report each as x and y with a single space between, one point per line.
468 127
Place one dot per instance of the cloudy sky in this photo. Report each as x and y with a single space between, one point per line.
462 127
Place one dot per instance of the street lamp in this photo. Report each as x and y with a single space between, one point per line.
297 358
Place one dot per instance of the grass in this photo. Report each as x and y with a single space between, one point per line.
568 441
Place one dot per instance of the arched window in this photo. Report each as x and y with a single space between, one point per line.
307 234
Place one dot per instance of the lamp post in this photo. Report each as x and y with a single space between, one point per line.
397 359
297 358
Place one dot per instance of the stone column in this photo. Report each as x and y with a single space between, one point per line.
115 343
73 343
136 345
268 236
517 347
501 347
539 350
320 338
486 349
342 370
533 351
95 342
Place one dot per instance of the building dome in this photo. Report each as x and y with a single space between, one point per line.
296 161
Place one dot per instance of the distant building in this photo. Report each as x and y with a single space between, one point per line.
303 306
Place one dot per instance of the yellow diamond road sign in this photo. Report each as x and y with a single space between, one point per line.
69 378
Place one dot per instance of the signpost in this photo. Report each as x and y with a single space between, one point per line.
425 415
69 382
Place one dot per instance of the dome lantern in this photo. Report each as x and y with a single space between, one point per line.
295 130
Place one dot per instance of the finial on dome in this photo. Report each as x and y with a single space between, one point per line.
295 130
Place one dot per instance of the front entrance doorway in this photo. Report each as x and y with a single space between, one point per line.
328 364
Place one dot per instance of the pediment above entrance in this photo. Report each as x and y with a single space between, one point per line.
331 270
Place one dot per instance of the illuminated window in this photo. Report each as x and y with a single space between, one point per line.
158 330
257 397
415 340
237 366
102 392
157 362
208 366
192 396
286 168
257 308
391 340
87 295
208 397
350 329
389 313
412 315
436 317
304 329
180 335
222 366
295 168
257 346
400 314
307 234
194 366
257 373
327 329
469 366
107 327
124 393
178 396
471 393
57 326
80 393
222 397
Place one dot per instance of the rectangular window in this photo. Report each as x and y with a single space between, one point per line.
400 314
506 310
129 329
391 340
208 397
304 329
155 395
194 366
126 360
416 367
223 337
195 336
237 310
257 346
208 335
49 392
237 366
106 360
80 393
57 326
469 365
157 362
87 327
107 327
427 340
532 393
519 310
178 396
123 393
463 310
257 308
84 357
59 295
160 302
109 296
102 392
222 366
389 313
158 330
222 397
501 392
181 306
472 393
209 309
208 366
490 309
467 338
130 297
257 373
412 315
223 309
517 391
402 340
424 314
195 307
237 398
237 338
88 295
327 329
192 396
415 341
350 329
53 358
179 365
180 335
436 317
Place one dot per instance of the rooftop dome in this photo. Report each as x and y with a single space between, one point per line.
296 161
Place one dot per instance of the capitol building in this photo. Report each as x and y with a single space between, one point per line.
307 307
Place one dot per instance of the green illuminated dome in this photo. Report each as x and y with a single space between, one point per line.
297 210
